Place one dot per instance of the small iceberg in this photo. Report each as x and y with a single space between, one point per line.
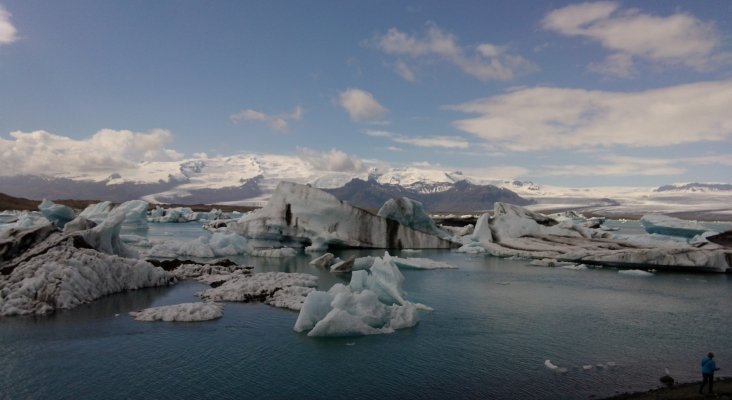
665 225
186 312
635 272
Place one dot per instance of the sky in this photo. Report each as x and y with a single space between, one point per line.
564 93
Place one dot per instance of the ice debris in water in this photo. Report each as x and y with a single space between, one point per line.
186 312
554 368
278 289
635 272
373 303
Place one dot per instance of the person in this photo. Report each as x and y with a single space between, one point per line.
708 367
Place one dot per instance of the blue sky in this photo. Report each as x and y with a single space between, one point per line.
566 93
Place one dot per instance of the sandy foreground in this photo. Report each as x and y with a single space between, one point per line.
722 390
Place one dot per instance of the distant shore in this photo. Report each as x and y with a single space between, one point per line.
682 391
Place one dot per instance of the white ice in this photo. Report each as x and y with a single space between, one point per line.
279 289
302 216
421 263
373 303
635 272
56 213
411 213
185 312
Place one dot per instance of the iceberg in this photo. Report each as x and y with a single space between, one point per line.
134 211
373 303
56 213
513 231
411 213
186 312
220 244
49 270
182 215
666 225
278 289
301 216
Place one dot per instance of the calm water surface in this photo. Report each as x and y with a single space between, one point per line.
494 324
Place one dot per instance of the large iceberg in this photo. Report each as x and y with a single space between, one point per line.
373 303
63 270
513 231
182 215
300 216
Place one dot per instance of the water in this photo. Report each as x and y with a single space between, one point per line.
494 324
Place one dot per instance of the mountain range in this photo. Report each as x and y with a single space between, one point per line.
249 180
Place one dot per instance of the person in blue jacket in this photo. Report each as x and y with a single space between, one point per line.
708 367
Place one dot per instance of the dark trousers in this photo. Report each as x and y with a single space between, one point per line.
707 378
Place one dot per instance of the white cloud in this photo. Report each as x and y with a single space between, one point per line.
275 122
403 70
484 61
43 153
617 166
335 160
557 118
447 142
361 105
8 33
678 39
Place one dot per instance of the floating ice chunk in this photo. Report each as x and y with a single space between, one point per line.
482 232
105 236
363 263
274 253
587 367
218 245
411 213
324 261
97 212
635 272
65 277
186 312
421 263
554 368
372 303
411 251
56 213
666 225
264 287
574 267
471 248
610 364
383 278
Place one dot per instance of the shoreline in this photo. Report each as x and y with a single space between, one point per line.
681 391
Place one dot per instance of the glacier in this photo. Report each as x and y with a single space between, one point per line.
301 216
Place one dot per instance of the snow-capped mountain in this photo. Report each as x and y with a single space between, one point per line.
249 179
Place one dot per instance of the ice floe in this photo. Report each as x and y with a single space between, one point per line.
279 289
635 272
185 312
667 225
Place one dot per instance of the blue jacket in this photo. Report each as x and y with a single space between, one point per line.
708 365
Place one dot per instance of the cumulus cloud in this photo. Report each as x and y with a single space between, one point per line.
447 142
545 118
8 33
334 160
361 105
43 153
275 122
484 61
678 39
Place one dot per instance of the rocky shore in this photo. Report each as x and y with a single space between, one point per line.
683 391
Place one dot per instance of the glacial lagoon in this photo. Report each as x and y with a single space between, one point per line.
495 322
